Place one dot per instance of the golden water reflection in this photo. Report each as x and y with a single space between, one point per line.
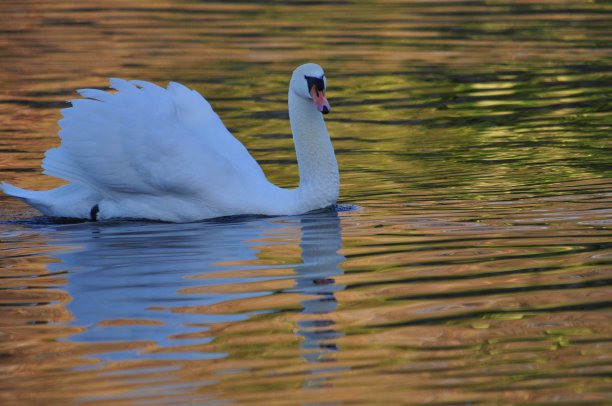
470 263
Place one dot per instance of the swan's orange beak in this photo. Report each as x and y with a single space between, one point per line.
318 97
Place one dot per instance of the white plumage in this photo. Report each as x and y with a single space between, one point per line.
158 153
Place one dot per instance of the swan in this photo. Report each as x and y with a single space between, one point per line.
148 152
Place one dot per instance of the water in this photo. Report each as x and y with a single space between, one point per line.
470 263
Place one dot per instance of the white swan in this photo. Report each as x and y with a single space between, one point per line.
146 152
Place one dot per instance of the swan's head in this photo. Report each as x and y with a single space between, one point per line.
308 81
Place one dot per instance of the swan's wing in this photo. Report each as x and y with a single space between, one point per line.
150 140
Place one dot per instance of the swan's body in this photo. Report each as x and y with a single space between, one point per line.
146 152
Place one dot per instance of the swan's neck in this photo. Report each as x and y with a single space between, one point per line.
319 179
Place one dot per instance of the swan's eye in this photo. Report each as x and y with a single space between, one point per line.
319 83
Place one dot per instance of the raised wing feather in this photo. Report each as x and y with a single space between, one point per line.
149 140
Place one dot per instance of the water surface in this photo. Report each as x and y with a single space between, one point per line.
471 267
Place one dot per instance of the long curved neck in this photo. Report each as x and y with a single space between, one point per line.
319 178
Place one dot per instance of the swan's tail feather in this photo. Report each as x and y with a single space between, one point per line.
34 198
17 191
71 200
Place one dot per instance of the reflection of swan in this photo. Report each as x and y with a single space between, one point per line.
321 241
163 154
128 281
124 279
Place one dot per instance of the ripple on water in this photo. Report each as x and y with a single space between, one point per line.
467 261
